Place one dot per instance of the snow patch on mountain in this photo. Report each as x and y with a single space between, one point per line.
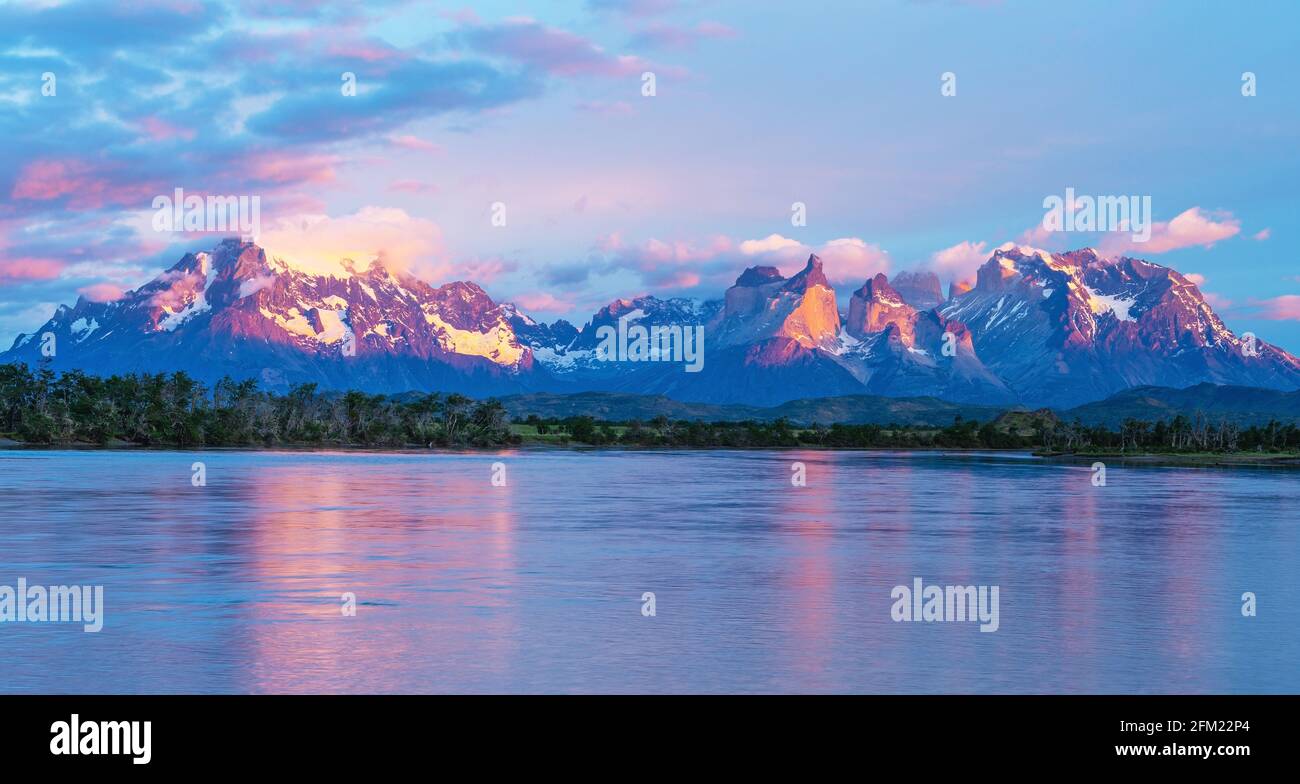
333 328
251 286
83 327
1119 305
171 320
496 344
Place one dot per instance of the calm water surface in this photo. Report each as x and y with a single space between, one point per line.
537 586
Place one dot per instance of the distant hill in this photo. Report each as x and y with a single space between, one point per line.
877 410
1243 405
619 406
848 409
1026 423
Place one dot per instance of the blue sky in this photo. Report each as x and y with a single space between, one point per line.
612 193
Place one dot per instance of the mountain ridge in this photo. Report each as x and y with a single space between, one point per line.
1035 329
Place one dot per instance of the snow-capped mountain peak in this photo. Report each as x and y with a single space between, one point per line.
1036 327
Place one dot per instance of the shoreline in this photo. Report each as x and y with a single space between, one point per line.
1193 459
1188 460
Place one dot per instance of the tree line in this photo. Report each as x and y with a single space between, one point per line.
1181 434
39 406
173 409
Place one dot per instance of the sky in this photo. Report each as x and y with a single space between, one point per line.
520 149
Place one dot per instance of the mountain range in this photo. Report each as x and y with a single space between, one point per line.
1034 329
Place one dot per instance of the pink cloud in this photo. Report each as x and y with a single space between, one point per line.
160 130
49 179
1188 229
542 301
717 261
678 279
959 262
368 51
409 142
478 269
85 186
656 252
290 168
851 260
101 292
608 243
1038 237
1262 234
28 268
1283 308
258 46
1195 277
673 264
553 50
413 186
634 7
667 36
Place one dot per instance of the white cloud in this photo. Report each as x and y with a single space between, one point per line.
851 260
960 261
769 244
1189 228
847 260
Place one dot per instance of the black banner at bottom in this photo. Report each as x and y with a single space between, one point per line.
212 734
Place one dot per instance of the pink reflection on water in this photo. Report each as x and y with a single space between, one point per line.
1078 590
805 517
389 536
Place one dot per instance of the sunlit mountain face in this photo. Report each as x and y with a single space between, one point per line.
1037 328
